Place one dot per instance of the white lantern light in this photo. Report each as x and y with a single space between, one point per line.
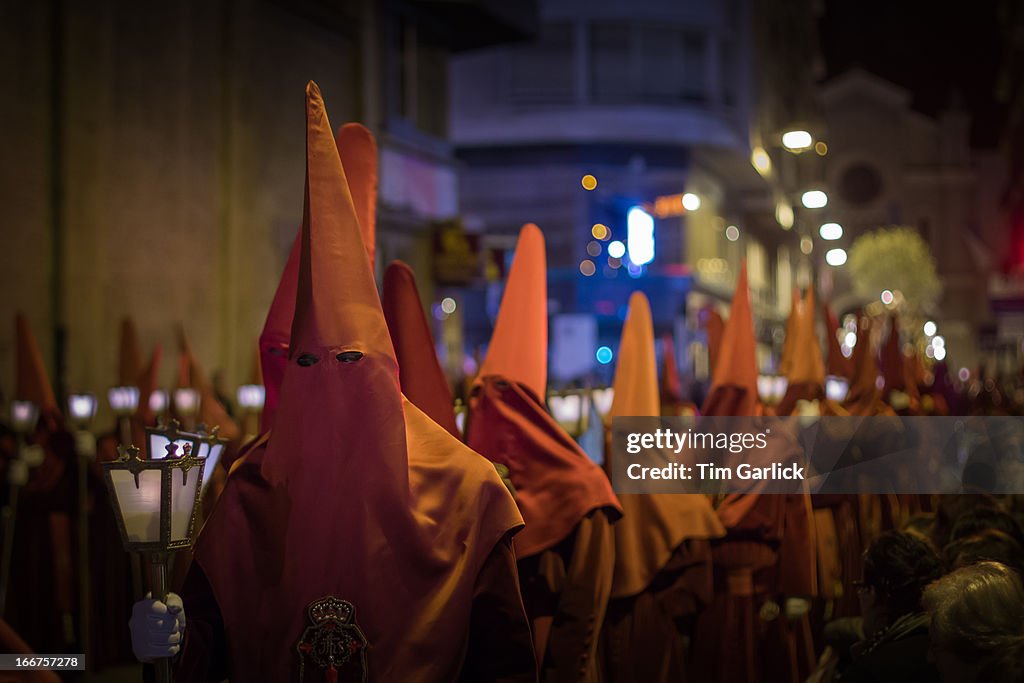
24 415
570 410
158 401
123 400
252 396
186 401
836 388
81 408
603 400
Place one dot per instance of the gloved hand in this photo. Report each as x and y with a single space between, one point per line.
157 627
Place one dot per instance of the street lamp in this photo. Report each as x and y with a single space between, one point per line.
835 257
156 500
814 199
797 140
830 231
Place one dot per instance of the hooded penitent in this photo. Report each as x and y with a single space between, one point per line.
31 381
363 538
864 396
653 526
672 400
838 364
796 311
714 327
734 377
770 544
40 594
358 150
806 373
556 484
423 381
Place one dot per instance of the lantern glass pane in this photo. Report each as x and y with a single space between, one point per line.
211 461
183 500
140 506
158 446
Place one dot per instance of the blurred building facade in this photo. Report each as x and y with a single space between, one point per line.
654 99
155 151
888 164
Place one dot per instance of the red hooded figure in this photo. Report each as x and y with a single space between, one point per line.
423 380
663 571
768 552
365 543
566 551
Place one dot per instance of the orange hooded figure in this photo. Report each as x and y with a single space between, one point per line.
806 369
566 551
796 312
364 541
768 552
672 400
423 381
864 397
130 364
714 327
663 571
40 598
358 150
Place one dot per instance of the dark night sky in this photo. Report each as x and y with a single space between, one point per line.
931 48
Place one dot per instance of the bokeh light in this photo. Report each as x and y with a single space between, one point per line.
600 231
448 305
589 182
587 267
604 355
594 248
691 202
616 249
732 233
830 231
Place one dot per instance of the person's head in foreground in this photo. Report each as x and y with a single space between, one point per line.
977 624
897 567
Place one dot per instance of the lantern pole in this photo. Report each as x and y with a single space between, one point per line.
162 666
24 415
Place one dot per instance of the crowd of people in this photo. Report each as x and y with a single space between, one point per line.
362 535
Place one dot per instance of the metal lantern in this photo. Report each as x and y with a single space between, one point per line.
603 399
186 402
771 388
211 447
24 415
571 409
156 497
252 396
123 400
158 402
836 388
81 408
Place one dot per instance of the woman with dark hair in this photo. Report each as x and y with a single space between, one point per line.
897 567
977 617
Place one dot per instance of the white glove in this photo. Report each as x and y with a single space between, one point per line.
157 627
